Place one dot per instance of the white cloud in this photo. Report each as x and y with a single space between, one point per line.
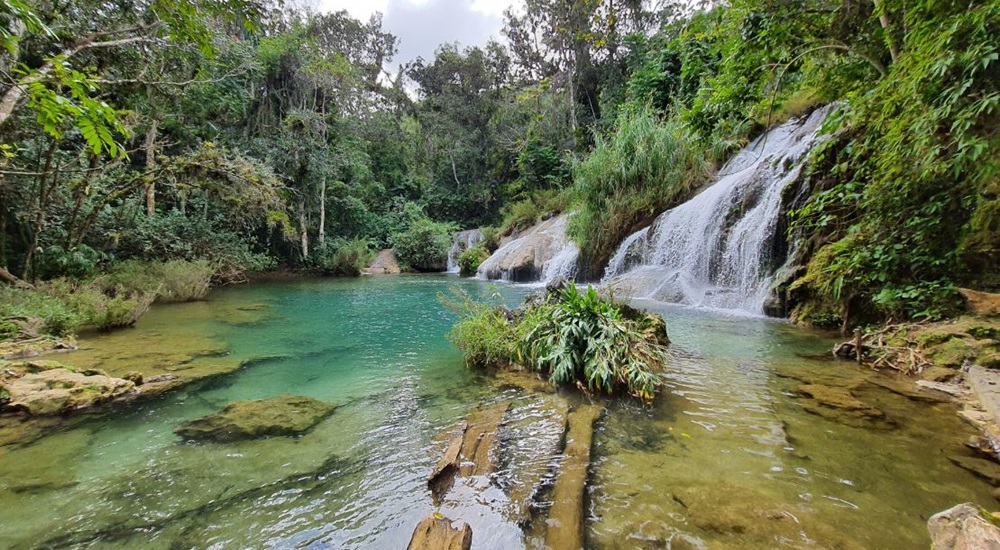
359 9
492 8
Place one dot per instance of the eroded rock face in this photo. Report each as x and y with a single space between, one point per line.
981 303
41 388
963 528
540 250
384 264
285 415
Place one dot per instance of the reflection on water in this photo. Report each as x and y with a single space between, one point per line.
729 458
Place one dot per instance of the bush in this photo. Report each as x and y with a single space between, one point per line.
348 258
424 246
98 303
168 282
470 260
57 317
574 338
520 215
647 166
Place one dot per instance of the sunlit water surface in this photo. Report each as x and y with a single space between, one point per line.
728 458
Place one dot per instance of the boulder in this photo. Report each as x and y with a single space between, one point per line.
284 415
963 528
981 303
384 264
528 256
41 388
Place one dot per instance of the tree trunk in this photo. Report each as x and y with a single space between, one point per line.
890 38
10 278
150 183
303 229
322 214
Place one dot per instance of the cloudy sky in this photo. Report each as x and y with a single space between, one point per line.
421 25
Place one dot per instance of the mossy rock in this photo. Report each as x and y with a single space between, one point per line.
953 353
284 415
985 332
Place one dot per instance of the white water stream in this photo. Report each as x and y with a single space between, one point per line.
716 249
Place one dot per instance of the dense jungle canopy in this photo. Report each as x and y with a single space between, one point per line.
255 134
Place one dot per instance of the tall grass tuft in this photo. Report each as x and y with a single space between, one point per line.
645 167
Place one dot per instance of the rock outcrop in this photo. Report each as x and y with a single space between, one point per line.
284 415
41 388
436 533
384 264
541 252
981 303
963 528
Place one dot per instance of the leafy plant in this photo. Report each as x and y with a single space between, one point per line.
470 259
348 258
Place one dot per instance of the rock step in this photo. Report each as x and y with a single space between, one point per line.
436 533
566 517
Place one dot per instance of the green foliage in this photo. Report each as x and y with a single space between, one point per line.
424 246
168 282
347 258
520 215
58 318
572 337
909 192
470 259
645 167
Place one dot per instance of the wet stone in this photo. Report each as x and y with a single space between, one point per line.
285 415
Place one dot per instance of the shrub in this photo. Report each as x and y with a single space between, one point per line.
348 258
57 317
169 282
424 245
520 215
470 260
647 166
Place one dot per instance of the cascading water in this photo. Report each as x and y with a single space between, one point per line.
464 240
716 249
540 253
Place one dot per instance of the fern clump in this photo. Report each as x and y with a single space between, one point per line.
572 337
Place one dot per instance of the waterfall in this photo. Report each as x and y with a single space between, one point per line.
464 240
716 250
542 252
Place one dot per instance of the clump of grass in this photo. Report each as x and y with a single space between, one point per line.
645 167
520 215
572 337
349 258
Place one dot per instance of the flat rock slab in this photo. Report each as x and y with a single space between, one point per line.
963 528
284 415
567 515
985 384
469 450
42 388
436 533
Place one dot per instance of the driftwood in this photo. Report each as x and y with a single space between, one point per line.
873 349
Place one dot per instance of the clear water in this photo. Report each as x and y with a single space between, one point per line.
729 437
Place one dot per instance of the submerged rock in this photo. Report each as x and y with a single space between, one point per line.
963 527
284 415
469 452
41 388
568 514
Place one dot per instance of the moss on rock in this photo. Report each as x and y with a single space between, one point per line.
284 415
